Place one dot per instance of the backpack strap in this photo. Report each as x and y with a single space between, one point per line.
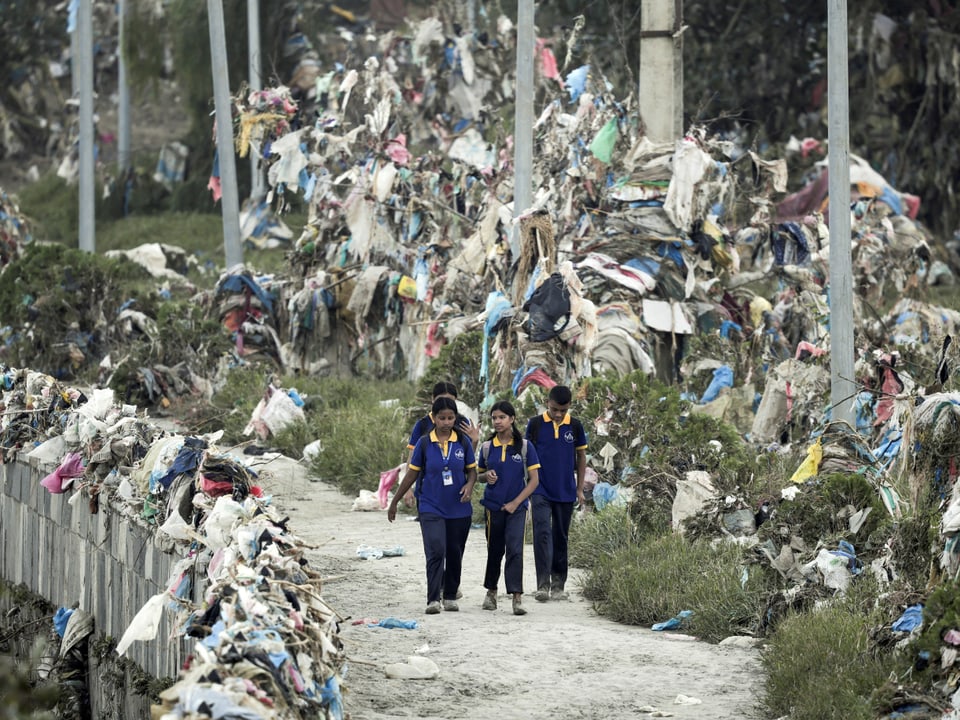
523 455
534 430
485 451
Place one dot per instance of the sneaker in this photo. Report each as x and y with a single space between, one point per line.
490 601
518 609
559 594
450 605
433 608
459 594
542 595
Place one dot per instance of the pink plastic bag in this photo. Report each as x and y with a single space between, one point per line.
71 467
388 478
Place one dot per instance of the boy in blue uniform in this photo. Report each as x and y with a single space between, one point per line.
504 463
449 468
561 446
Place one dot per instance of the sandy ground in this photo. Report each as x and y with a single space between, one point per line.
561 660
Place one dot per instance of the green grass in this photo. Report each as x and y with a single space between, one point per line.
52 207
651 582
822 665
599 534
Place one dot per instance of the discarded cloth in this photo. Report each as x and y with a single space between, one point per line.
61 478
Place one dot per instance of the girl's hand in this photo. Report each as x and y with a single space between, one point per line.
491 477
392 512
466 493
511 507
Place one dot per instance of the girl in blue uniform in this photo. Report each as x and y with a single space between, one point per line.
449 472
506 460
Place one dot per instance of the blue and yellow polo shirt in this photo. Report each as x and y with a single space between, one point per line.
433 457
556 448
507 462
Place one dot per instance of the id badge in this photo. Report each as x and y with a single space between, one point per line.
447 477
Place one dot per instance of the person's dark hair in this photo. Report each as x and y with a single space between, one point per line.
507 409
560 394
443 403
444 388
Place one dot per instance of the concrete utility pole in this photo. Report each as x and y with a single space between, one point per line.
842 385
661 69
72 10
124 158
257 181
523 121
230 203
86 179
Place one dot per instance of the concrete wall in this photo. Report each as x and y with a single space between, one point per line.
107 563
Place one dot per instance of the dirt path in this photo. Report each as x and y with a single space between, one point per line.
561 660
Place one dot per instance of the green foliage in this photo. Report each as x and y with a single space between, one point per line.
22 697
459 363
67 293
360 437
821 511
822 665
941 613
53 208
915 547
599 534
653 581
657 434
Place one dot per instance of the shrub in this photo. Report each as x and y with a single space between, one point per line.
459 363
360 437
653 581
600 534
821 665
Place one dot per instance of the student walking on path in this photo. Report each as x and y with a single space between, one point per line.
505 462
449 473
425 424
561 446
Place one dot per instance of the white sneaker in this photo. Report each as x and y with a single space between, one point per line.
433 608
451 606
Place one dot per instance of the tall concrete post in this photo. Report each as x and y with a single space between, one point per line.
842 385
255 78
87 177
229 202
661 69
124 158
523 121
72 10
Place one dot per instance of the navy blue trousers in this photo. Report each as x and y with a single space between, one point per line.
505 537
443 543
551 528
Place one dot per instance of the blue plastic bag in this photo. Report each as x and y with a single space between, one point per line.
673 622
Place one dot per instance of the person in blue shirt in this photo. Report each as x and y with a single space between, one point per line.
425 424
561 446
506 461
449 468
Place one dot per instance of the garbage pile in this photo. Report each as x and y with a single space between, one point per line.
14 230
266 642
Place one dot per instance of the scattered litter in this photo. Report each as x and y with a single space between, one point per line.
366 501
395 623
673 622
416 667
374 553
